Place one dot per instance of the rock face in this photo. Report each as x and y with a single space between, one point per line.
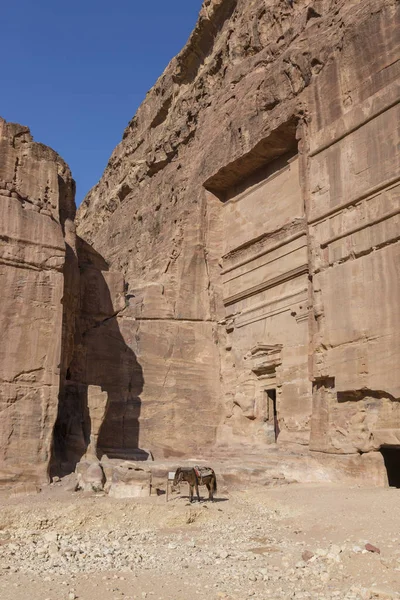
252 207
100 379
37 211
69 384
236 277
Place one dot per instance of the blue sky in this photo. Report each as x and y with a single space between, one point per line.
75 72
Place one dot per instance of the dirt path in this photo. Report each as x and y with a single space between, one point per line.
250 544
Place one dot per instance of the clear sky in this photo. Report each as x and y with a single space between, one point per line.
76 71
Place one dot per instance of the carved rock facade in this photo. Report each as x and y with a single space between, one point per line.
239 277
252 206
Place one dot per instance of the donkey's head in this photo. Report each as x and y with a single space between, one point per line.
178 476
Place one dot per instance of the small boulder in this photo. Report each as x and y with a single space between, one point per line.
130 481
371 548
307 555
90 476
69 483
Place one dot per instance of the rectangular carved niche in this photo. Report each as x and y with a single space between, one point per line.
263 243
281 141
263 253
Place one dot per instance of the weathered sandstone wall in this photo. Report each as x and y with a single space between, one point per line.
69 383
252 207
236 274
37 211
101 380
354 229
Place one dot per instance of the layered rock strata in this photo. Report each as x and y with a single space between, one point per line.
235 280
37 211
101 379
70 383
252 207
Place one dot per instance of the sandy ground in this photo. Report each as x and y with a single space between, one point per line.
248 544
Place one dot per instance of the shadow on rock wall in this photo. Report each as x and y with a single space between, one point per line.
101 379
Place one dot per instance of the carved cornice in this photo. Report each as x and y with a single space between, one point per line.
265 285
264 245
365 195
264 359
360 227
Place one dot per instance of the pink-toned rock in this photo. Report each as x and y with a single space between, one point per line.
372 548
32 256
235 280
90 476
307 555
253 207
130 481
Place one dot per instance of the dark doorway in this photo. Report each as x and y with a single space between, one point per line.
391 456
272 410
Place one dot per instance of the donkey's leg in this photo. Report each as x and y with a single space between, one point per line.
210 489
190 492
212 485
197 489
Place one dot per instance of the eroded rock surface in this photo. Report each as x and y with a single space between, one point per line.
252 207
101 380
235 279
37 211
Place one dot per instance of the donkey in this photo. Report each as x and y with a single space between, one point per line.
196 476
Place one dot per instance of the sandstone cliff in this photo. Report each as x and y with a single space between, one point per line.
236 275
252 206
37 212
69 384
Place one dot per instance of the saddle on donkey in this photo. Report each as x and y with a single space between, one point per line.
197 476
202 472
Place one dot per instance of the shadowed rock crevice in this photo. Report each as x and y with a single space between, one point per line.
358 395
391 457
101 379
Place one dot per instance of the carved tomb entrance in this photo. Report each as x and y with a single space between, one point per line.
391 457
263 253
